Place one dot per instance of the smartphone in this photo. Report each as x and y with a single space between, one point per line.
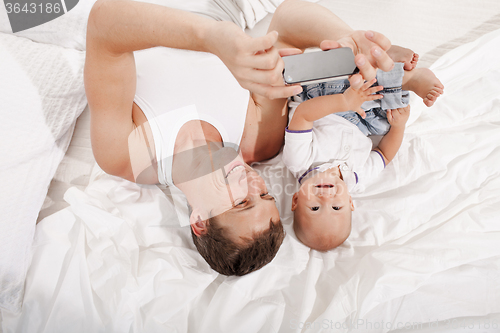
319 66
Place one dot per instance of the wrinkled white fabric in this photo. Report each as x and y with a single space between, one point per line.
424 246
246 13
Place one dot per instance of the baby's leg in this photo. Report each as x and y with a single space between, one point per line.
424 83
404 55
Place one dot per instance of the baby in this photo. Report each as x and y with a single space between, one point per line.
331 156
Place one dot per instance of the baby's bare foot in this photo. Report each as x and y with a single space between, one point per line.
424 83
402 54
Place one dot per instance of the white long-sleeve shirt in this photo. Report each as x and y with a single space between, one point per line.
333 141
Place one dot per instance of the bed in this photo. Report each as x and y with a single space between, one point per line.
108 255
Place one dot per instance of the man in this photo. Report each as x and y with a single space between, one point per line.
147 129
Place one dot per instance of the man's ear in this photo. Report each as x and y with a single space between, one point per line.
198 225
294 201
352 203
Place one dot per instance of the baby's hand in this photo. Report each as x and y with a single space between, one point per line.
398 117
360 92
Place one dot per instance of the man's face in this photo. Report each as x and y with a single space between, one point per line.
237 194
252 206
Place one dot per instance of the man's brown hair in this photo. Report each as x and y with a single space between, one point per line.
230 258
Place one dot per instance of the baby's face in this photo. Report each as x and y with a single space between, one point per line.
322 210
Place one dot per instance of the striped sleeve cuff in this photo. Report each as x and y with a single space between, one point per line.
382 157
300 131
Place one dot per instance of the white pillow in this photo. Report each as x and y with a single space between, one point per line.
41 94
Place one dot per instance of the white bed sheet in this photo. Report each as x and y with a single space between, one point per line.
424 247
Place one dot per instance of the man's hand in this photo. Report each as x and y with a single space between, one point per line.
360 92
369 48
398 117
255 62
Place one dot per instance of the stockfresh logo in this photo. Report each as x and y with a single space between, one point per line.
25 14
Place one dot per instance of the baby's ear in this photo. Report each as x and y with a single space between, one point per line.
352 203
198 225
294 200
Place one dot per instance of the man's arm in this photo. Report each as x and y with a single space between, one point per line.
116 28
391 142
127 26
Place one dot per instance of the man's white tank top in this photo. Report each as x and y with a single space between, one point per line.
176 86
